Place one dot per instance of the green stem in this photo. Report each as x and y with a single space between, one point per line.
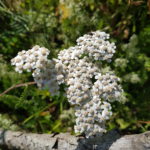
37 113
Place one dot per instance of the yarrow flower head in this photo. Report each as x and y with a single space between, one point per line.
43 69
89 89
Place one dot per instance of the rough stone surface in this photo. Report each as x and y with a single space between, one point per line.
132 142
64 141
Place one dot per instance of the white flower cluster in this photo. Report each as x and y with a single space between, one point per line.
96 46
91 115
43 69
88 88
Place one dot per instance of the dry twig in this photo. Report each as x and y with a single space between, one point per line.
16 86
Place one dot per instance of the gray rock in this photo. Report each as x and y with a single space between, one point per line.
64 141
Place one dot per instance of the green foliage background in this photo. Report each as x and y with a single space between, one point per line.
56 24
